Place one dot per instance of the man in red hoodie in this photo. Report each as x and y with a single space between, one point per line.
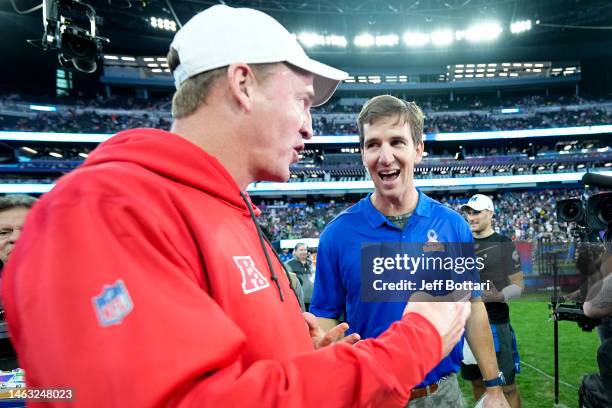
142 279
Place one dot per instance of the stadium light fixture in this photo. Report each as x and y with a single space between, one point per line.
416 39
389 40
29 150
480 32
364 40
442 37
56 154
163 23
310 40
520 26
43 108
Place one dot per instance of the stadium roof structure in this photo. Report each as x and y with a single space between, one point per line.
567 29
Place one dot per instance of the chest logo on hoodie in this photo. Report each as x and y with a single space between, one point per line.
252 279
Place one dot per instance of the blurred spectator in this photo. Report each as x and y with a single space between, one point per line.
13 212
302 267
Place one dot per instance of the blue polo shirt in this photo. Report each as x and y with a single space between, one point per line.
338 280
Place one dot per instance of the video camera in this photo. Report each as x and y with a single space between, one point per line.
70 28
592 215
590 218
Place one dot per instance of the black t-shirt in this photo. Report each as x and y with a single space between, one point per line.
501 259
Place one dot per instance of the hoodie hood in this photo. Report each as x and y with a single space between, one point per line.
172 157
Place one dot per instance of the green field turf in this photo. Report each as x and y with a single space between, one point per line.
577 356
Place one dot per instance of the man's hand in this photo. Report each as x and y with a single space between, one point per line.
494 398
447 317
492 295
320 338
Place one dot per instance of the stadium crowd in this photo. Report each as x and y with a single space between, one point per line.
521 215
110 115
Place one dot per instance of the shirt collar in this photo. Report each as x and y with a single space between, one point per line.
376 218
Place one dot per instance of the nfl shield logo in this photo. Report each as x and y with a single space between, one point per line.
113 304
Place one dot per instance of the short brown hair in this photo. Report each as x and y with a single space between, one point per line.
387 106
194 90
8 202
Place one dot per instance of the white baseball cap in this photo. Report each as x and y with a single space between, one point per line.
222 35
479 202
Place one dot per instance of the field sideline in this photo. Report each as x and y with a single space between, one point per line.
577 356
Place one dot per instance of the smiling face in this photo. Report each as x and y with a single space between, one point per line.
282 122
390 154
301 253
480 221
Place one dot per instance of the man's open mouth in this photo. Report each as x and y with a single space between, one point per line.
389 175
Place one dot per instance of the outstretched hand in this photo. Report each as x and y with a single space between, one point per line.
320 338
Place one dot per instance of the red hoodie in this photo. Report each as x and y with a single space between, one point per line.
140 281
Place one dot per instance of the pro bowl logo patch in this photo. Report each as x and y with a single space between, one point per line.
113 304
432 244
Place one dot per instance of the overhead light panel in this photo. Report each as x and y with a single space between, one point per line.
364 40
29 150
416 39
480 32
310 40
442 37
520 26
162 23
388 40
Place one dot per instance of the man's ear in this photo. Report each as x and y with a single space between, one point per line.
241 81
420 148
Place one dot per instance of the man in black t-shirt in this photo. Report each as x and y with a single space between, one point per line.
502 269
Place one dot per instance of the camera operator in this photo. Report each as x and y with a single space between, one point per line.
598 304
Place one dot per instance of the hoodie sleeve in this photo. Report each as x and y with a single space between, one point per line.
159 339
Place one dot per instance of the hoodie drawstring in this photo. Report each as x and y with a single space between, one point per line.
262 240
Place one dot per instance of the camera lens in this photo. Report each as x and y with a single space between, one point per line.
604 212
571 211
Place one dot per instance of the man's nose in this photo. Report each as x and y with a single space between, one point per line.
386 155
306 129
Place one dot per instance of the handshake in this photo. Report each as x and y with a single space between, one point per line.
448 316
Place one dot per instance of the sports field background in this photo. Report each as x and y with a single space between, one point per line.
534 330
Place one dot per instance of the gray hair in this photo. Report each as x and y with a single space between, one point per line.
8 202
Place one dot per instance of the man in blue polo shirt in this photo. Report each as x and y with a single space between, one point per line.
391 142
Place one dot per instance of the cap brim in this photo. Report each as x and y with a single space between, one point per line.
326 78
464 206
